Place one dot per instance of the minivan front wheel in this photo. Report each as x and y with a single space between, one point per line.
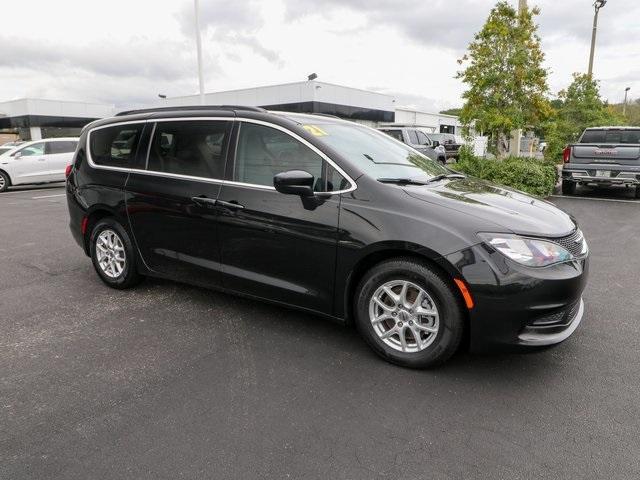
113 255
4 181
409 314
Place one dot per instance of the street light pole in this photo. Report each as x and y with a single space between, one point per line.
624 107
598 4
199 48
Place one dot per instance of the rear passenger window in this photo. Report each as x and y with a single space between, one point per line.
61 147
115 146
193 148
264 152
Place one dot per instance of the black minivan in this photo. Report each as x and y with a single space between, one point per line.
330 217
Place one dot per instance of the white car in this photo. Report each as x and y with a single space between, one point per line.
38 161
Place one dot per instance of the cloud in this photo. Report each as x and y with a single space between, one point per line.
131 59
229 23
452 24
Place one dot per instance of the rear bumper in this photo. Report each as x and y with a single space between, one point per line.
517 305
616 174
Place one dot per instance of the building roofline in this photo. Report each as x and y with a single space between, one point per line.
284 85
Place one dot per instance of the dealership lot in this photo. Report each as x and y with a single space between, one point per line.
172 381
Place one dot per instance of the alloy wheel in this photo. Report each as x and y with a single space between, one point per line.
404 316
110 253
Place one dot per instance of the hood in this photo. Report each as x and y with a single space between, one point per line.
499 206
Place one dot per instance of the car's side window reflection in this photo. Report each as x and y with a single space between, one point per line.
264 152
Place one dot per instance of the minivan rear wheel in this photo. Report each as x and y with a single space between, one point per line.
113 255
409 314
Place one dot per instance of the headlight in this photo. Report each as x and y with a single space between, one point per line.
527 251
440 149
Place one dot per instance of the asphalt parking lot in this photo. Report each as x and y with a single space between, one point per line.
172 381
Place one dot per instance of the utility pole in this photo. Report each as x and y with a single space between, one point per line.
598 4
522 6
199 48
515 140
624 107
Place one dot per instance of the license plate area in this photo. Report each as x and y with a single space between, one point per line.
603 173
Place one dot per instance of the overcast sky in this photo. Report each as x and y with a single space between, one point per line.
125 52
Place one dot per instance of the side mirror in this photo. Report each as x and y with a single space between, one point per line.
435 144
294 182
17 155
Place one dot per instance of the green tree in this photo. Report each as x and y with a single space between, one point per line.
507 84
452 111
580 106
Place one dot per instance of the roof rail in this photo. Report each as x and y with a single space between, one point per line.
191 108
325 115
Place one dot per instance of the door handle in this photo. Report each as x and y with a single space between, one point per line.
204 201
233 205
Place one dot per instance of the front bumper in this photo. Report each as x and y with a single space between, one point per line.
517 305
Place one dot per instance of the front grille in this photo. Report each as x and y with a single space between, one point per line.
573 243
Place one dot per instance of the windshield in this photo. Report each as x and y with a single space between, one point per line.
611 136
375 152
5 149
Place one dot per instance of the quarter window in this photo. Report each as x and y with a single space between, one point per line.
196 149
413 138
115 146
264 152
61 147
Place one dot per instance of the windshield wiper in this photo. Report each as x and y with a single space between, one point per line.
401 181
444 176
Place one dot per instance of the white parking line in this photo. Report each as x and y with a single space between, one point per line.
598 199
49 196
32 190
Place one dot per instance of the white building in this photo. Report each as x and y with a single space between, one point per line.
312 96
35 118
438 122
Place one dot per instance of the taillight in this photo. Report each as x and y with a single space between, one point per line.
566 155
67 171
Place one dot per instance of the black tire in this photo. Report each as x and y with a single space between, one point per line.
637 191
450 309
129 275
568 188
443 160
5 181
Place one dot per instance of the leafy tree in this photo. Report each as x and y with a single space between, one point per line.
507 84
580 106
632 116
452 111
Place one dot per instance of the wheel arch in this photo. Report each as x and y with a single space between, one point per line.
8 176
96 214
387 251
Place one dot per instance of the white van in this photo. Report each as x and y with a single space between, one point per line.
38 161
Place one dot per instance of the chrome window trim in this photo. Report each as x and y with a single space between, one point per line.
311 147
352 187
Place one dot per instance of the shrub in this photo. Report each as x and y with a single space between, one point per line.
536 177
